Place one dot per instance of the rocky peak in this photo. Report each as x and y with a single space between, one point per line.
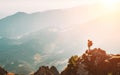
45 70
93 62
54 70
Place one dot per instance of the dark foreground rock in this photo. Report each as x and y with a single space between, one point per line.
54 70
2 71
45 70
93 62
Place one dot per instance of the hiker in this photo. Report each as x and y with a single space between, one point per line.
89 44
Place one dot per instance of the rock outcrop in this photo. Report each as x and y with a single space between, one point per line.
93 62
54 70
45 70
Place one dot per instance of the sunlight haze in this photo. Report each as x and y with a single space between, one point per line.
48 32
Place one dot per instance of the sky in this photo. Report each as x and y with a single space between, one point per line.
8 7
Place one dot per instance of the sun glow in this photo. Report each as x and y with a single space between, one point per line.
110 5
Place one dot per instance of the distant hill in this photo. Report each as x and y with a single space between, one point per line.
20 22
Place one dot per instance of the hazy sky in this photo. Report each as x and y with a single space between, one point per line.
8 7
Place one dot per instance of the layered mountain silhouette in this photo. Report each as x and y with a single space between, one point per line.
92 62
21 22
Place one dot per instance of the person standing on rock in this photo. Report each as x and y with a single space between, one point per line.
89 44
